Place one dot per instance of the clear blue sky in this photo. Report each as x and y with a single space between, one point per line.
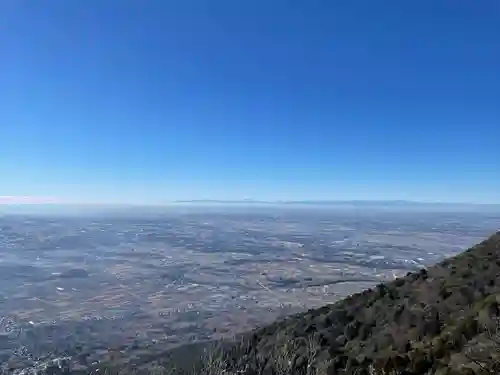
150 101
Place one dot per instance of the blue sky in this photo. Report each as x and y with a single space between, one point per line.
151 101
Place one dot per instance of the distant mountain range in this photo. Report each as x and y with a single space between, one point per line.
124 209
334 202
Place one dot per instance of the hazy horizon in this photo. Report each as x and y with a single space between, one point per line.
35 201
359 207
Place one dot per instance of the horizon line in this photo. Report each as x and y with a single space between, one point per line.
41 201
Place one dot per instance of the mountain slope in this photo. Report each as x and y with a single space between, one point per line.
441 320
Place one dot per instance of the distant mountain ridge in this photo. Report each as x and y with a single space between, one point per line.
336 202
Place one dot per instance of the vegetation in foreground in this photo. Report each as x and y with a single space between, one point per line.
443 320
